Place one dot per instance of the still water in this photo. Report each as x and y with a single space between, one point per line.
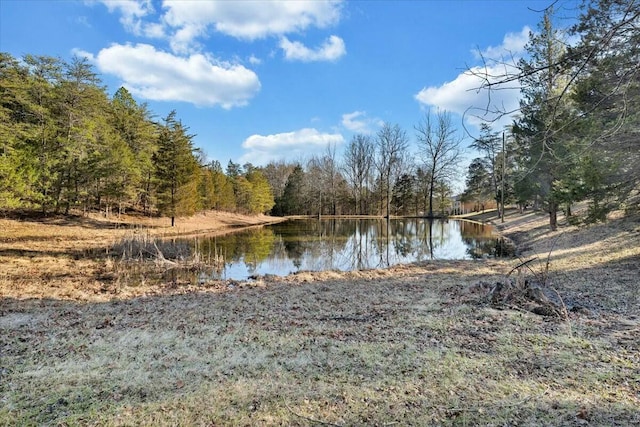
343 244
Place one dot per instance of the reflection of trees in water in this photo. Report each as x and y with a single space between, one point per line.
480 240
360 242
403 233
479 248
426 238
316 244
295 250
348 244
475 229
441 233
251 246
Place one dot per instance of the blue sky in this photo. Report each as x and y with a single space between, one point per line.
260 81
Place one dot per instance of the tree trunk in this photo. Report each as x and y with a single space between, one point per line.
431 199
553 216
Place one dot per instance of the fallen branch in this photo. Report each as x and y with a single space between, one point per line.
160 256
522 264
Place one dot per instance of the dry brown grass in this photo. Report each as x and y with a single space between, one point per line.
409 345
65 257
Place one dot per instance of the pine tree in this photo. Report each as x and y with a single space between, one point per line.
403 194
45 75
216 189
490 144
478 185
80 117
540 130
607 96
176 170
291 201
261 194
133 124
17 127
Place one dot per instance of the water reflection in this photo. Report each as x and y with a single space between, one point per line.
341 244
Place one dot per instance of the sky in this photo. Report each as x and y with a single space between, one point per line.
261 81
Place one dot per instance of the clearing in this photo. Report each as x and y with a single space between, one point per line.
437 343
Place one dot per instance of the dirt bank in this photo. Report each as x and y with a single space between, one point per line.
60 256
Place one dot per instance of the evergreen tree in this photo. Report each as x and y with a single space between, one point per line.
223 186
244 194
607 97
443 196
541 131
113 170
291 201
45 75
422 193
176 170
132 122
277 174
80 116
478 185
17 127
489 143
404 194
261 195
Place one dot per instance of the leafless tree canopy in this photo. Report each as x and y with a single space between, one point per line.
439 149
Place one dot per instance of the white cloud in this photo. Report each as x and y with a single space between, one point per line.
161 76
183 40
132 12
466 95
291 145
331 50
183 23
358 122
154 31
253 19
512 45
254 60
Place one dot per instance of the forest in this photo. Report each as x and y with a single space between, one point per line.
67 145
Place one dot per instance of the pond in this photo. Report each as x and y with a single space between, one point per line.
343 244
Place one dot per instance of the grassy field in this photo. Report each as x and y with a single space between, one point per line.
84 343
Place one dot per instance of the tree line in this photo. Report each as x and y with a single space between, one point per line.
577 135
67 145
376 174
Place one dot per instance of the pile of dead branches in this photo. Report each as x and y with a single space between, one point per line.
528 292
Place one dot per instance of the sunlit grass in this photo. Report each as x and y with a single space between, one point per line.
287 355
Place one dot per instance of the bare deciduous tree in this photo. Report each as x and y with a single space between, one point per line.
357 168
392 144
439 149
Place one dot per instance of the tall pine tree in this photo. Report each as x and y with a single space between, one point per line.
176 170
540 130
